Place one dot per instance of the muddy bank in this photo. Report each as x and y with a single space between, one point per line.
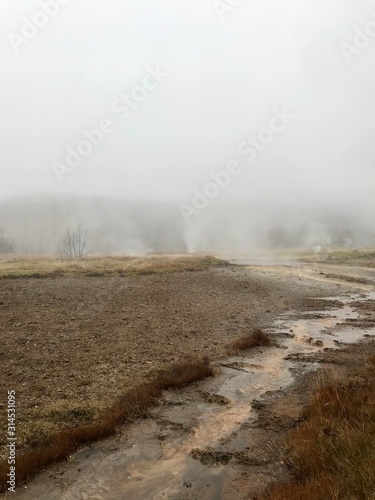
222 438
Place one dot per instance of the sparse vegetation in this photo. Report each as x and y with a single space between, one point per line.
24 267
257 339
333 451
363 257
73 245
182 374
130 406
360 257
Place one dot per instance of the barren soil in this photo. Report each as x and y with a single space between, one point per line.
71 345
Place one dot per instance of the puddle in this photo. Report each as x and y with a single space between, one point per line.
175 453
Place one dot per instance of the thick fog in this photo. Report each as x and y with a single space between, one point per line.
187 125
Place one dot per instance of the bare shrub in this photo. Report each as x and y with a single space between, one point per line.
257 339
182 374
73 244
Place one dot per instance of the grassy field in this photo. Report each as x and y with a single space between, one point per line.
29 267
349 257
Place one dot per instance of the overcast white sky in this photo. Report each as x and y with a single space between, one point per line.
225 77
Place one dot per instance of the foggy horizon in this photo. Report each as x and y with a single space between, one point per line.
199 105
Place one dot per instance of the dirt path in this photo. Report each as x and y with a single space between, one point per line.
214 439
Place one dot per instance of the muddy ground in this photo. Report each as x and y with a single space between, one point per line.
80 342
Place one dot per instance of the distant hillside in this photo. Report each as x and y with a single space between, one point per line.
37 223
135 228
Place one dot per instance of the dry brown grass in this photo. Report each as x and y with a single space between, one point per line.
356 257
132 405
333 451
257 339
28 267
181 374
